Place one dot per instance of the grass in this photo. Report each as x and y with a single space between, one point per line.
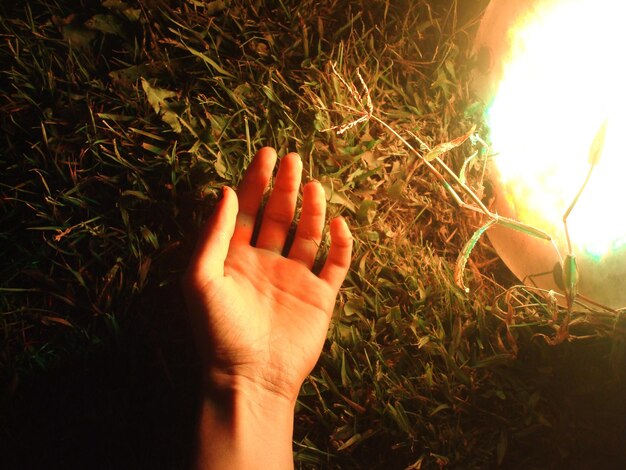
120 122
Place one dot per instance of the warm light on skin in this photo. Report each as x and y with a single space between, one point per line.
563 79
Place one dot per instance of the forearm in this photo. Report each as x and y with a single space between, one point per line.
245 429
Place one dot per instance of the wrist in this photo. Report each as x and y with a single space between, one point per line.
254 425
220 383
230 395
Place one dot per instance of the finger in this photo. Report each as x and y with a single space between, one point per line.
339 255
215 240
250 193
281 206
311 225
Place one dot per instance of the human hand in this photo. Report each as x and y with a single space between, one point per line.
260 318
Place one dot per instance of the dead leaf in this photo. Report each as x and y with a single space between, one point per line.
129 75
447 146
334 196
48 320
108 24
78 36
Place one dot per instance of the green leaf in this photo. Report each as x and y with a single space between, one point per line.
503 444
157 98
523 228
212 7
439 408
570 276
595 151
137 194
214 65
463 171
367 212
465 254
133 14
353 306
220 166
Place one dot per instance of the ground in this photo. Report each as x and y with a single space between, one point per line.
120 122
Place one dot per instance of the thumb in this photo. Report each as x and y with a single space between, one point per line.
214 242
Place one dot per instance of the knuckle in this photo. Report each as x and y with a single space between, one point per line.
313 234
279 217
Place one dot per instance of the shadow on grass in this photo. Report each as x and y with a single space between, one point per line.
583 384
129 403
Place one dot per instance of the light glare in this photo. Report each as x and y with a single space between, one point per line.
562 79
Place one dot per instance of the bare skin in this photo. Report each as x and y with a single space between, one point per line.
260 318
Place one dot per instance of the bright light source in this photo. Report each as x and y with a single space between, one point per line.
556 76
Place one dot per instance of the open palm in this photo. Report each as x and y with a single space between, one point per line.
260 316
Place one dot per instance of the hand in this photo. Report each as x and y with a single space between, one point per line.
260 318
